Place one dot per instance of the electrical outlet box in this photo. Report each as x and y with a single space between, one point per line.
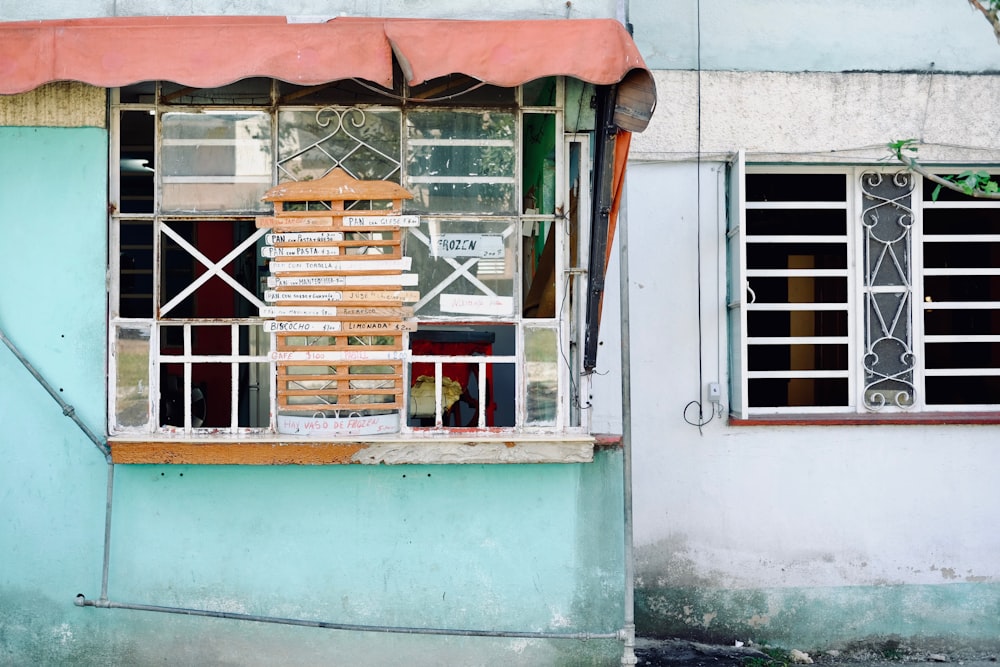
714 392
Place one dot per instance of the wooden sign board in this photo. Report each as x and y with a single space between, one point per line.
299 251
376 328
387 312
272 326
303 237
380 221
339 355
391 296
401 280
343 265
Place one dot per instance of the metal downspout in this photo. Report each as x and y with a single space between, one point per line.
628 657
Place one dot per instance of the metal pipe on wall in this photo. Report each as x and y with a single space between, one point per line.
67 409
82 601
628 657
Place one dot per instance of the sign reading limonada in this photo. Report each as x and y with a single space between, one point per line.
336 304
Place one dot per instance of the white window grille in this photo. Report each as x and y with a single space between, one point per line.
189 280
853 291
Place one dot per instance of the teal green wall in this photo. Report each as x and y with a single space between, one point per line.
817 619
508 547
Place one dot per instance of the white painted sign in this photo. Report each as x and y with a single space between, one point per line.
375 310
388 296
476 304
345 265
332 356
405 296
303 237
319 295
271 326
337 426
468 245
376 327
299 251
402 279
297 311
380 221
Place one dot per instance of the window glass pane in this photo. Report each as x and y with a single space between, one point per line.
972 390
981 254
137 132
796 187
184 290
461 402
347 92
245 92
461 89
804 289
797 357
135 259
215 161
788 255
960 322
131 354
963 355
799 222
541 371
961 288
955 221
540 92
363 142
799 392
775 323
465 267
539 170
461 161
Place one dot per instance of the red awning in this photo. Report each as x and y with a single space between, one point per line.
207 52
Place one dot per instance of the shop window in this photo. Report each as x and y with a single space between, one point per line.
496 203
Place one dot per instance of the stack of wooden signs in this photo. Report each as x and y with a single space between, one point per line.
337 295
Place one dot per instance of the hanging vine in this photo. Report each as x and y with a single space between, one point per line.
973 183
989 9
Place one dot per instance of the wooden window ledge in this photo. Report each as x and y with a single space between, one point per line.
290 450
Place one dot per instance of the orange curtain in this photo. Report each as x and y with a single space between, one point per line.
622 142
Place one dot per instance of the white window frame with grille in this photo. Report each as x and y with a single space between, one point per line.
569 419
862 399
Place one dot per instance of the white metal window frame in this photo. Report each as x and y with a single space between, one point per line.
567 419
739 305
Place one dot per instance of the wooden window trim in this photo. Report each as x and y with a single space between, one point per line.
471 447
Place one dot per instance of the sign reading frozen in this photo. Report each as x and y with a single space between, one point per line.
488 246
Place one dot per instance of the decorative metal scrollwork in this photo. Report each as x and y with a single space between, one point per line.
886 219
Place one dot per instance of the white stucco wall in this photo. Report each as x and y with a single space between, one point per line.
820 117
837 517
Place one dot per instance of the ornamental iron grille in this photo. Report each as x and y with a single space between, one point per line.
887 218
